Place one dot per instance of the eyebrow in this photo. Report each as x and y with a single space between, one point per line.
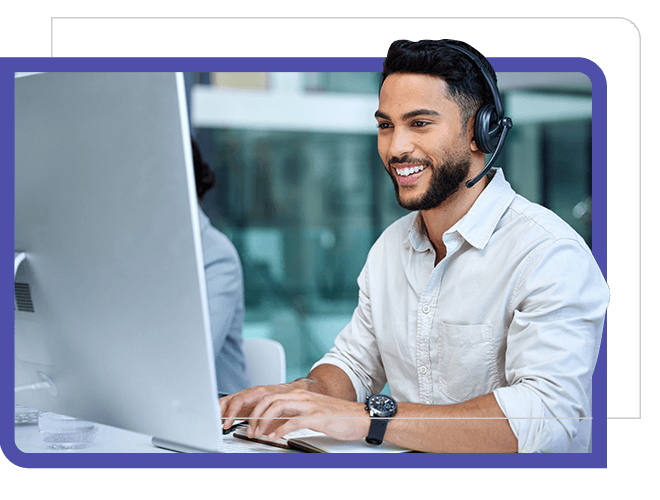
409 114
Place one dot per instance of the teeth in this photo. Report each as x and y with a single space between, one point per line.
405 172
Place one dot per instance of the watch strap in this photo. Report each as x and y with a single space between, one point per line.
377 430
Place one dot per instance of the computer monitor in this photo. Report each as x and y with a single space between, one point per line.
111 318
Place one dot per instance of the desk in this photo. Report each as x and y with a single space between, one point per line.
114 440
108 440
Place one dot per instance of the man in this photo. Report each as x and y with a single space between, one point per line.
483 311
224 285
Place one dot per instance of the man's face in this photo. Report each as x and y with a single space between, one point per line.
421 140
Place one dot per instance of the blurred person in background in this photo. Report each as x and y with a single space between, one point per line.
224 285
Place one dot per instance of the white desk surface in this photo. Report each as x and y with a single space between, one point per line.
108 440
114 440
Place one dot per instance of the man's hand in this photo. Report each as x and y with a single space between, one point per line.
277 414
241 404
276 410
294 404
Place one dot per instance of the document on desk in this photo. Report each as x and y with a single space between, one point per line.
317 442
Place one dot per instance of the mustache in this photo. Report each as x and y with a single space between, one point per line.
407 159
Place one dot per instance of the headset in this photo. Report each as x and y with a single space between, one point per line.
491 127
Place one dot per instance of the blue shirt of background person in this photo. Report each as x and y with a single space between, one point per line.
224 285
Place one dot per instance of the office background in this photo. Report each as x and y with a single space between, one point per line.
302 193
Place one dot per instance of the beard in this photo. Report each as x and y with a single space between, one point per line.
446 179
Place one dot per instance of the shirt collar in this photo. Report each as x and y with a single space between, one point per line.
417 236
476 226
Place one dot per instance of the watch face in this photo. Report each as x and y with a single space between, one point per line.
382 405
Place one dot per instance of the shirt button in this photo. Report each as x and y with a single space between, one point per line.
423 370
426 309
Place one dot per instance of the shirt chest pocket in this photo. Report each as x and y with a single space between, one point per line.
463 358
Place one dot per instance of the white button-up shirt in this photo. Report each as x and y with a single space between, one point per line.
516 308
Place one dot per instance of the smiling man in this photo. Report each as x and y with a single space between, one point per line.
406 170
482 310
428 153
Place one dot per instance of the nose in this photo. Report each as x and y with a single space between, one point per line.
400 143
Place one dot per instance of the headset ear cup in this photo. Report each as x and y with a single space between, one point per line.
484 121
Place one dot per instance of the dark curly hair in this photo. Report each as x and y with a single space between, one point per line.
204 176
465 84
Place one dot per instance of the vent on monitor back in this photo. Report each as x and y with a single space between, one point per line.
23 298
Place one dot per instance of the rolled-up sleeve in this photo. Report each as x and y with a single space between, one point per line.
553 341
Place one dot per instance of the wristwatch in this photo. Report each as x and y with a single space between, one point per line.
380 407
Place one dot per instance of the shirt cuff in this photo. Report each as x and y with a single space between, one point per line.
526 413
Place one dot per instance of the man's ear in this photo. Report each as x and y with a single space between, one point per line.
470 133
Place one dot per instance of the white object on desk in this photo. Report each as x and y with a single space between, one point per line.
66 433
